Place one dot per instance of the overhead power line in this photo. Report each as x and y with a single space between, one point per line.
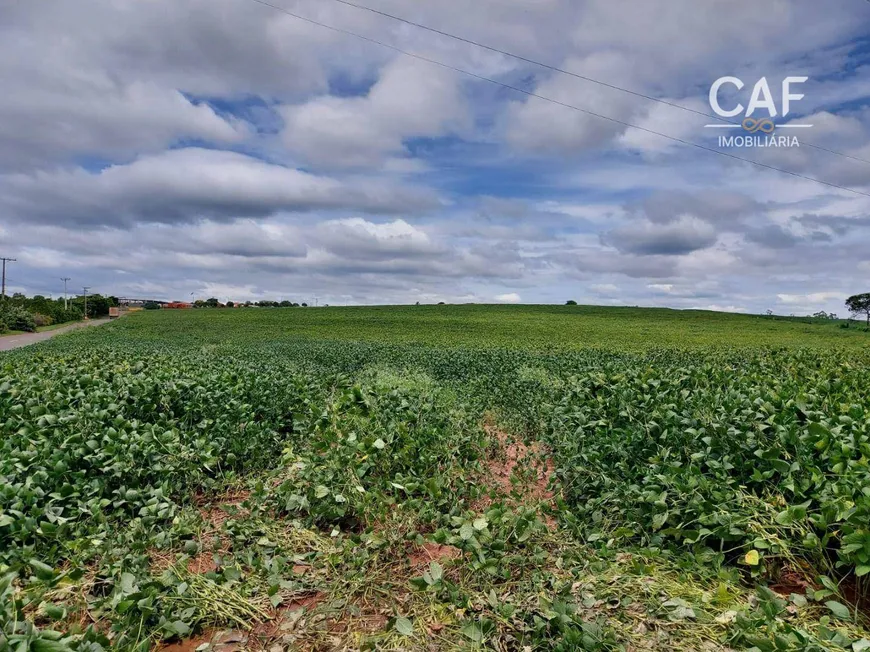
621 89
517 89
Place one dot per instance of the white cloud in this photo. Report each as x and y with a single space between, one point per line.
720 308
813 297
510 297
190 184
249 153
606 289
410 99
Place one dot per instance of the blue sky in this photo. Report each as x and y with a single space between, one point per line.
223 148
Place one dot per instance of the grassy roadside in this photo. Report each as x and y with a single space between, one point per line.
43 329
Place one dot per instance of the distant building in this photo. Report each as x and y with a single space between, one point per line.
177 305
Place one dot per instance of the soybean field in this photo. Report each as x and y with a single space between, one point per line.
437 478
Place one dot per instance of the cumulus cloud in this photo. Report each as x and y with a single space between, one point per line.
681 236
189 184
510 297
536 126
245 152
813 297
409 100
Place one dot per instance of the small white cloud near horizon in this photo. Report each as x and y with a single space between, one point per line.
510 297
814 297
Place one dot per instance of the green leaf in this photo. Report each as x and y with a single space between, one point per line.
177 627
53 611
404 626
818 430
45 645
480 523
659 520
862 569
473 631
466 531
379 443
420 583
42 570
798 600
321 491
860 645
436 571
840 610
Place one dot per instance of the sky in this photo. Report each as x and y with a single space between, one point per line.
174 149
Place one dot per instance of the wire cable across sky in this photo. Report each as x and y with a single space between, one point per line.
528 93
621 89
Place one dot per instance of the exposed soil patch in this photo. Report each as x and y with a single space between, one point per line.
186 645
213 539
521 473
790 581
857 595
285 619
216 511
365 623
201 564
261 636
430 552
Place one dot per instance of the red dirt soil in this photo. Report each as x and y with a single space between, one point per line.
430 552
258 638
500 472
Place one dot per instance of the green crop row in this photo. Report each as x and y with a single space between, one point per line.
749 458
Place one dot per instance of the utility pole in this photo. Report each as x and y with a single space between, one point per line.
315 302
3 291
86 288
65 279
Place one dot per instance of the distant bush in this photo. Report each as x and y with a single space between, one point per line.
42 320
17 319
570 302
70 314
151 305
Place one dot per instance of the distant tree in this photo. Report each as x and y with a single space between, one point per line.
230 304
199 303
151 305
570 302
769 313
441 303
304 305
98 305
212 302
286 304
859 304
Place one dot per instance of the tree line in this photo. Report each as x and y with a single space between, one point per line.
22 313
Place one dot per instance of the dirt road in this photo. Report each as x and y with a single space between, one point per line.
9 342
